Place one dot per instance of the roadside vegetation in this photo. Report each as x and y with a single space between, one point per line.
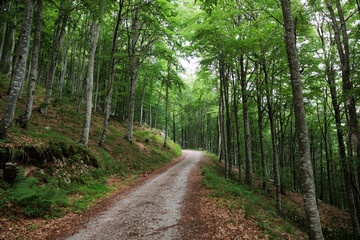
238 201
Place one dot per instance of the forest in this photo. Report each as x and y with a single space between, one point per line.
270 87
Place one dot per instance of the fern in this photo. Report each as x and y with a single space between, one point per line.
35 200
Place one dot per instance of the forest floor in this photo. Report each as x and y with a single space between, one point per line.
173 202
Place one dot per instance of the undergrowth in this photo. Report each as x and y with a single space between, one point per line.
34 198
241 196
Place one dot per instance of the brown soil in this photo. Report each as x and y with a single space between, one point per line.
209 218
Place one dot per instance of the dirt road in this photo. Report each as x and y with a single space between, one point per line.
151 211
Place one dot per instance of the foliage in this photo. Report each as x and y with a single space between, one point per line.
34 198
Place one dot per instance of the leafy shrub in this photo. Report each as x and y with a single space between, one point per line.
35 200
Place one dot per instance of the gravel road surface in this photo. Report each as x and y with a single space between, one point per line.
150 211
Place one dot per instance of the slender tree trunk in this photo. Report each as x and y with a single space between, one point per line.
20 68
112 66
277 182
150 113
58 35
64 60
307 178
247 134
98 76
174 129
81 79
142 102
12 51
73 80
223 128
95 28
4 32
220 152
24 118
166 106
261 134
237 127
157 108
134 65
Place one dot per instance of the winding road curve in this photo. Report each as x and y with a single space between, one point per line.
150 211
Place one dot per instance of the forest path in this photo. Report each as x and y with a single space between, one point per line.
150 211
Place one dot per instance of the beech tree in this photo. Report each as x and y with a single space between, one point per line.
24 118
20 66
95 29
307 177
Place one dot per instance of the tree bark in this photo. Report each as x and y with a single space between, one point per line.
261 134
142 102
247 134
12 51
98 77
20 68
236 109
112 66
277 182
58 35
81 78
95 28
24 118
4 32
307 178
157 108
166 106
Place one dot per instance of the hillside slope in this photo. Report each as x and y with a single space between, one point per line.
61 173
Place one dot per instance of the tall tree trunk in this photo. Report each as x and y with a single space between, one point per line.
166 106
98 76
4 31
150 114
227 124
72 76
58 35
134 67
157 108
236 109
223 128
277 181
64 58
112 66
142 102
174 129
307 178
261 133
20 68
95 28
24 118
220 152
13 41
81 78
247 134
